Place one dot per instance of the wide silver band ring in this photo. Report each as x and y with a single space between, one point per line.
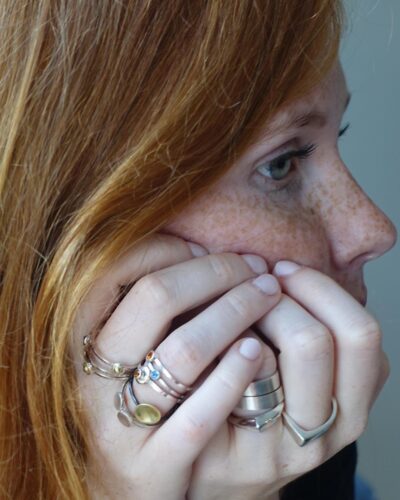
263 386
303 437
262 402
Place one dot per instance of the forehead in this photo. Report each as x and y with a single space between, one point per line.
326 100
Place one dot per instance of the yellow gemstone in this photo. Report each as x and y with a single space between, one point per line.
147 414
87 368
117 368
136 373
150 356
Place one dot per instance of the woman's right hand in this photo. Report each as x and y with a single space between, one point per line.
227 289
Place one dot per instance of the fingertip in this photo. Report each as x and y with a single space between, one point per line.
250 348
196 249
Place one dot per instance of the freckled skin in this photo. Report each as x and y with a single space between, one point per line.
323 220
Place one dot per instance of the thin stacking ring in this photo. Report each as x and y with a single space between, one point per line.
94 362
153 372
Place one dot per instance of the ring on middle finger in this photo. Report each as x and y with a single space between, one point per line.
153 372
261 402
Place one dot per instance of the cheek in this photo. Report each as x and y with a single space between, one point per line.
229 222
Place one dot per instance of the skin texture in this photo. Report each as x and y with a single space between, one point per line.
318 216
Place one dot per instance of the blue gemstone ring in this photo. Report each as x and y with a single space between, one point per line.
152 372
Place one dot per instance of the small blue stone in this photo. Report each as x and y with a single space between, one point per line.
155 375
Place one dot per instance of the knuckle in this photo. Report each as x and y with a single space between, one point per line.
222 267
237 305
155 289
184 351
313 342
357 428
227 382
366 335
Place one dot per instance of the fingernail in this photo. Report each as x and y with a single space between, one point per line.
267 284
256 263
285 267
250 348
197 250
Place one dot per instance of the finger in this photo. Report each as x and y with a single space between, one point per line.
356 333
189 429
144 316
187 351
151 254
306 361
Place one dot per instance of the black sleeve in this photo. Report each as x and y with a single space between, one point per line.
333 480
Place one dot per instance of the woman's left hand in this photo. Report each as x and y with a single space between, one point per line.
330 345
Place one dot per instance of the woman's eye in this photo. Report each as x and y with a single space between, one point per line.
280 167
276 169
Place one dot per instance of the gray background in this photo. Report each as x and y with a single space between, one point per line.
371 147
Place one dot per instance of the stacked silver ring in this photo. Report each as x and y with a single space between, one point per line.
153 372
261 404
96 363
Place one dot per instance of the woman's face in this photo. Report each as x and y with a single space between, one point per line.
291 197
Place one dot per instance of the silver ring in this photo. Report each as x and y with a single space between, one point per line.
94 362
262 402
303 437
263 386
259 422
152 371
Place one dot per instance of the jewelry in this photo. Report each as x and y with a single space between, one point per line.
259 422
94 362
303 437
130 411
261 402
263 386
154 373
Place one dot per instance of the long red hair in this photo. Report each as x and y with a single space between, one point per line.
114 116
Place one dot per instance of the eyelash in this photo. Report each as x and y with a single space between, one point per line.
299 154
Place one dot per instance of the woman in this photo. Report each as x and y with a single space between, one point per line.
170 180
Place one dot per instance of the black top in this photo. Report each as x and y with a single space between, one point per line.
333 480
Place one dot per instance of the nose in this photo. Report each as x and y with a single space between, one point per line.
358 230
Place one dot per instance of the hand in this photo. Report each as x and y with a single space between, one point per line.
329 345
157 462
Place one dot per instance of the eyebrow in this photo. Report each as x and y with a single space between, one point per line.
310 119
